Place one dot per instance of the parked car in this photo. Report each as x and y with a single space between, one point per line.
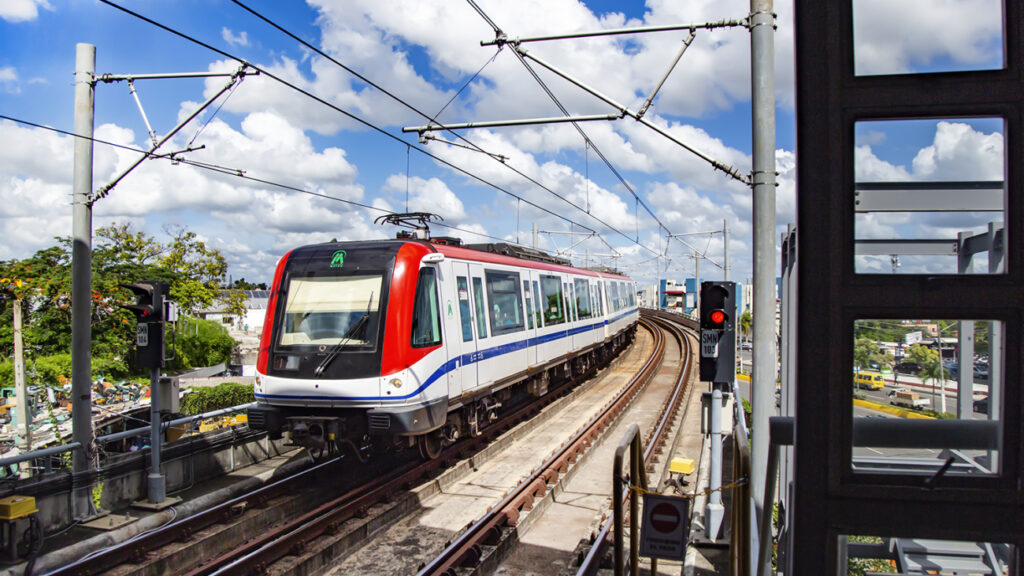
746 346
908 367
981 405
980 371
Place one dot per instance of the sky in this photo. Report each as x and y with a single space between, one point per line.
321 152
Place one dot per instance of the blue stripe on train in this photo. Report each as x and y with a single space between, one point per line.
464 360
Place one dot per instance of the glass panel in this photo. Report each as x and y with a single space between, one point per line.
551 289
529 304
478 300
426 316
506 302
909 415
332 310
464 309
583 297
920 37
537 311
887 555
571 308
930 196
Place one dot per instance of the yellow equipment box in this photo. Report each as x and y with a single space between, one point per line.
14 507
681 466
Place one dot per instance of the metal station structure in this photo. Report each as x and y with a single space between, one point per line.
941 516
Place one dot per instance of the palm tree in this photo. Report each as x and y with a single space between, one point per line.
746 323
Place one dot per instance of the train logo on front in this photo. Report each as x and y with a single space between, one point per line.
338 259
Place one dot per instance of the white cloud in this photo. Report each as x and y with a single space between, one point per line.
961 153
22 10
431 195
9 80
895 37
240 39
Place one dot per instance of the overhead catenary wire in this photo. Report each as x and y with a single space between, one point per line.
433 119
238 173
350 115
586 138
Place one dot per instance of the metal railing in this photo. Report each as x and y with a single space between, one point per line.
637 478
145 430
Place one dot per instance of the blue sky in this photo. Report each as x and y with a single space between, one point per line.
425 53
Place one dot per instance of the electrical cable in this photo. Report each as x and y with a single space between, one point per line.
350 115
234 172
432 120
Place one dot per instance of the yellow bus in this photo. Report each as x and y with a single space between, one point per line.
869 380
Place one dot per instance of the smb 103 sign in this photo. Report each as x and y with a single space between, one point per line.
664 527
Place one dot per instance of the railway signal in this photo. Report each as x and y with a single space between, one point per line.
149 312
717 331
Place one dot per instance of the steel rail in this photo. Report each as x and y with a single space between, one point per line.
133 549
592 561
466 549
294 535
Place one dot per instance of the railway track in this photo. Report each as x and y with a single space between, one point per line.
220 541
493 535
291 528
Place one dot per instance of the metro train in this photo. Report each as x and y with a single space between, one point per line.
418 341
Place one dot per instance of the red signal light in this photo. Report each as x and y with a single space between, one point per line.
717 317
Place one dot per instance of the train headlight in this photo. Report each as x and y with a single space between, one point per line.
396 382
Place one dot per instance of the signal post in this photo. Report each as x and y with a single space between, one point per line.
718 367
150 313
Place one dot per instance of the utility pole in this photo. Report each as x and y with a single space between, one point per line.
762 388
20 386
81 273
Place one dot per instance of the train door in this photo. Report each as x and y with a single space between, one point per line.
479 311
452 328
463 332
532 319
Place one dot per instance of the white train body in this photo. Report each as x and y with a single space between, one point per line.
408 337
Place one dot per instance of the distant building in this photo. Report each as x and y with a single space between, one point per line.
255 311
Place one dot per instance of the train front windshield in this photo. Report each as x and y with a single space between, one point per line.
337 311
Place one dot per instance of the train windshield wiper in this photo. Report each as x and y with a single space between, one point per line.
352 331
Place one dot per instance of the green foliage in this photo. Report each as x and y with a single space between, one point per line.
866 351
241 284
861 566
208 399
198 343
746 323
120 256
56 368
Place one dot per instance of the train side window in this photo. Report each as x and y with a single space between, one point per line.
551 291
506 302
537 306
583 298
465 312
600 298
529 304
478 301
426 316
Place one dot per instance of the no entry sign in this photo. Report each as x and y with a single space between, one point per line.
664 527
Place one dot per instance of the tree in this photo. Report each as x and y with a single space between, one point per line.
120 256
746 323
198 270
866 352
241 284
